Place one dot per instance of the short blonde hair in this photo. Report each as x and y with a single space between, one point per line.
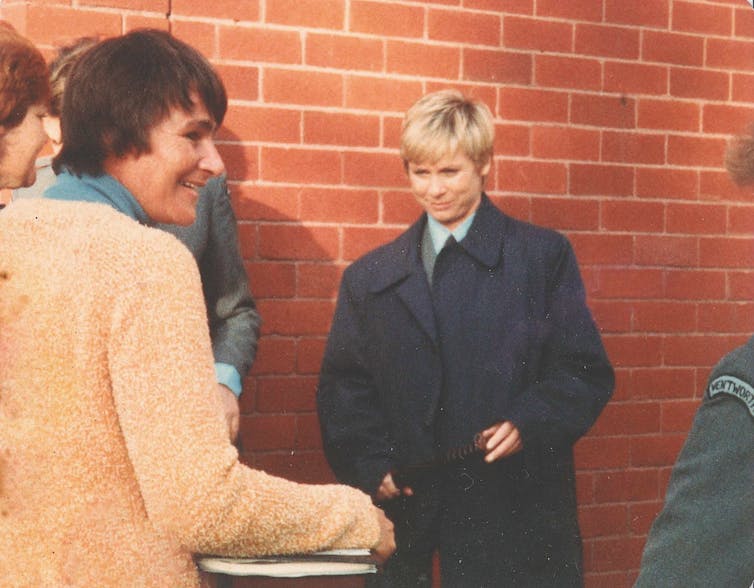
61 66
444 122
739 158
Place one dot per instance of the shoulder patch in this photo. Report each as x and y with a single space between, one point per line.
733 387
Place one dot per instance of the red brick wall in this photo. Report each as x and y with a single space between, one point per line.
612 121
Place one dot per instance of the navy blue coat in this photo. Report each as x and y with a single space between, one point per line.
530 353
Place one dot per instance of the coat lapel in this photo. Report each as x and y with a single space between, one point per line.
402 269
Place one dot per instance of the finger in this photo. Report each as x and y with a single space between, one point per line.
509 445
500 433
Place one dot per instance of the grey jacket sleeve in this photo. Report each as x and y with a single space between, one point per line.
233 318
704 535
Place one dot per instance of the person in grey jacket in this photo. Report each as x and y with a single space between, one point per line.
704 535
213 240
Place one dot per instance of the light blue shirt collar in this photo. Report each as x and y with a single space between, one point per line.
439 232
104 189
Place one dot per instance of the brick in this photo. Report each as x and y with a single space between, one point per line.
626 486
509 6
286 395
603 520
635 78
302 87
247 240
305 467
556 71
399 207
657 383
423 59
694 219
633 147
594 248
704 19
516 206
633 216
248 10
695 151
318 280
611 316
590 10
743 87
741 285
664 316
241 161
566 213
562 142
630 282
656 450
200 35
300 165
358 241
275 355
309 353
533 105
464 26
666 250
373 169
634 350
297 242
607 41
606 579
640 14
744 26
381 93
696 350
538 177
698 83
391 132
340 128
260 44
273 279
642 517
327 14
59 24
678 416
265 202
241 81
717 185
603 111
158 6
666 183
730 54
621 418
339 205
695 284
731 252
726 118
512 139
296 317
601 180
537 35
132 22
344 52
389 20
675 48
307 432
267 432
668 115
497 66
602 453
741 220
262 123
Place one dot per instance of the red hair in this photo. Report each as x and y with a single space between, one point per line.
24 79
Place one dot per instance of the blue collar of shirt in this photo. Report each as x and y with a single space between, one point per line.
104 189
439 232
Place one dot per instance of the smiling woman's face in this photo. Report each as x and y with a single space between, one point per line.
19 148
166 180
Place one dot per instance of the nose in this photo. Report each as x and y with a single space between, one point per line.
211 161
436 186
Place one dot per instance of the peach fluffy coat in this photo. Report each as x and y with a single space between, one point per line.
115 465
